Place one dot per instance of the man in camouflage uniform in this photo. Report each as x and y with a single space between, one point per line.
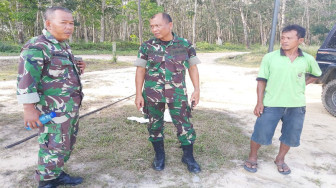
49 80
161 68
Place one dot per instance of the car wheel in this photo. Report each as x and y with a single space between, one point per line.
329 97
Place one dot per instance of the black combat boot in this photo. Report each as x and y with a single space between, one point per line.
62 179
188 158
66 179
48 184
159 160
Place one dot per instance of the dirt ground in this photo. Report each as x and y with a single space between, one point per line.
232 89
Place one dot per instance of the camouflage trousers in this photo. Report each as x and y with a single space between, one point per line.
180 113
56 140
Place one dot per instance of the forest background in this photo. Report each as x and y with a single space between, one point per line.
230 24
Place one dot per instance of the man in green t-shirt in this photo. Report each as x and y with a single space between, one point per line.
281 96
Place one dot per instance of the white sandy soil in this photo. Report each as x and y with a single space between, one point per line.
223 87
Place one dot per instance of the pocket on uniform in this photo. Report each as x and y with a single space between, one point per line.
189 111
153 66
59 67
179 67
181 57
145 110
50 141
52 128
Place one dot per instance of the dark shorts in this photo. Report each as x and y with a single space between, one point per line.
292 123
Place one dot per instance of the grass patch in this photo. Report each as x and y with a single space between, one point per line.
251 60
110 145
95 52
206 47
99 65
316 181
8 69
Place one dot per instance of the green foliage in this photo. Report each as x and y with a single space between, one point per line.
319 29
134 38
253 59
4 47
311 49
148 9
204 46
121 46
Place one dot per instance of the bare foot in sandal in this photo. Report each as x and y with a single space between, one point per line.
250 166
283 168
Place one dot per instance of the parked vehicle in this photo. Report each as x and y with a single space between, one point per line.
326 58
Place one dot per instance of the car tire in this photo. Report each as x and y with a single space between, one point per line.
329 97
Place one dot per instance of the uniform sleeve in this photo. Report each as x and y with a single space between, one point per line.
29 75
193 59
313 68
264 70
141 61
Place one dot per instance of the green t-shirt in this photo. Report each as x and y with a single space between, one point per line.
285 79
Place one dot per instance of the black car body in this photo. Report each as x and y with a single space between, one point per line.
326 58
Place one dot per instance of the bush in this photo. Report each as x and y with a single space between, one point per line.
205 46
4 47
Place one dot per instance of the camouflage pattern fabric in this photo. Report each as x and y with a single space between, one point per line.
166 68
56 145
48 75
180 113
49 78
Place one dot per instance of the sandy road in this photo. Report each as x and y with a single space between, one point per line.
222 87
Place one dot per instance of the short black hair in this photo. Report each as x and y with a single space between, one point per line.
49 11
301 32
165 16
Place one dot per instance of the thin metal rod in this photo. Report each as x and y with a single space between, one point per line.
274 23
89 113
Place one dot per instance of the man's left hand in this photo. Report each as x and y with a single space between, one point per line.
81 65
195 96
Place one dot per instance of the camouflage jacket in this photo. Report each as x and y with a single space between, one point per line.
48 76
166 64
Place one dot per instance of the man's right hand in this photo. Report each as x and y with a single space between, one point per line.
139 101
259 109
31 116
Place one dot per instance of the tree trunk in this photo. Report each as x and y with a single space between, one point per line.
11 30
19 26
308 22
36 24
261 30
43 19
218 29
113 36
244 27
283 15
102 22
140 21
85 30
194 25
77 29
93 33
123 27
